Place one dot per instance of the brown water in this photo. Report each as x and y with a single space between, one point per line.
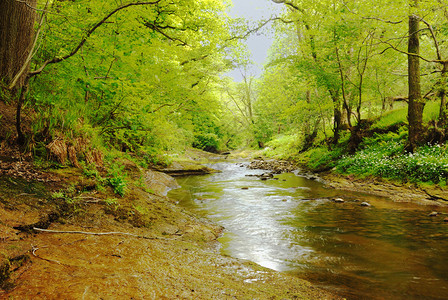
386 251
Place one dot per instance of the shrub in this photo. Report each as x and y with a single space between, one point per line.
117 179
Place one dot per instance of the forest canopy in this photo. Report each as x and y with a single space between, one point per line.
148 77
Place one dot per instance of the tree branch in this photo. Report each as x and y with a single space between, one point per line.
250 31
433 35
411 54
35 8
156 28
88 34
290 4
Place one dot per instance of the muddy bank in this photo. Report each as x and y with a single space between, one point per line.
399 192
100 245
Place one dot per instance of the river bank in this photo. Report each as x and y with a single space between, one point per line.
63 238
433 195
398 192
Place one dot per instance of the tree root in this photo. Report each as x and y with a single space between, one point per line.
101 233
434 197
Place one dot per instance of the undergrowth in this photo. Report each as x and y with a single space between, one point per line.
384 155
429 164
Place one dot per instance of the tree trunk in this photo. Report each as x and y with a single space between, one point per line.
16 37
443 103
416 102
337 116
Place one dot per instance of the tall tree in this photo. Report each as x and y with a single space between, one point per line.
416 102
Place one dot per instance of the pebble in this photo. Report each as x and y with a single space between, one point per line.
245 188
365 204
338 200
445 220
433 214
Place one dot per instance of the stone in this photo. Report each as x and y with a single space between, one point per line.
365 204
433 214
445 220
338 200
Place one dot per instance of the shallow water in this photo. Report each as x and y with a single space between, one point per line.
386 251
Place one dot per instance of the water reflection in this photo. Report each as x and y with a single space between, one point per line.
389 250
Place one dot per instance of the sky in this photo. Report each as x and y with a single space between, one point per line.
258 44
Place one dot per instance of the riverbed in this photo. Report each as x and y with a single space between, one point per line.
383 250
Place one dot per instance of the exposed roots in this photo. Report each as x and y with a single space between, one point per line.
61 151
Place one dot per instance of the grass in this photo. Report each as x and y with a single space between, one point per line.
400 115
396 116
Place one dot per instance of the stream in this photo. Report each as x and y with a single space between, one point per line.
388 250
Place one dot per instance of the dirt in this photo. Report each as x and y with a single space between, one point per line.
145 247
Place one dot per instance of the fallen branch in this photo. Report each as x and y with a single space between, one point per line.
433 197
100 233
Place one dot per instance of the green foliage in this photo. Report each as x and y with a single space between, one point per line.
431 112
111 202
322 157
144 82
397 116
384 156
91 172
283 146
147 82
64 195
206 141
58 195
116 178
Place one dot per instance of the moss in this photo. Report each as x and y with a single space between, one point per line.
5 269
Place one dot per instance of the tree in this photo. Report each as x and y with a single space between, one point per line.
16 36
131 62
416 103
